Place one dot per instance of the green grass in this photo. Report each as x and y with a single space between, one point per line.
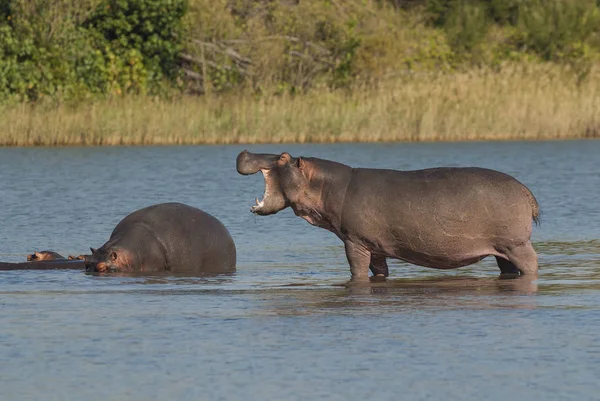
523 101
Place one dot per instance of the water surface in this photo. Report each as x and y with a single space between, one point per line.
285 326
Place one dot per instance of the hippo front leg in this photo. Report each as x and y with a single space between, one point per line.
359 259
379 266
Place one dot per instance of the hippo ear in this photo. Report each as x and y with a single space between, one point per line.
93 250
300 162
284 159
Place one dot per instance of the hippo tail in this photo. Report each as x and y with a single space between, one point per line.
535 207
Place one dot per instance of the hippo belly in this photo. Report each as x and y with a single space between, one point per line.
435 223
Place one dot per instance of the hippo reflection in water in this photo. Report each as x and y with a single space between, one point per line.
170 237
442 218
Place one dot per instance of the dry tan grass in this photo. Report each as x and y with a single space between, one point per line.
519 102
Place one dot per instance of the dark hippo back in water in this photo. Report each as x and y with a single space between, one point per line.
170 237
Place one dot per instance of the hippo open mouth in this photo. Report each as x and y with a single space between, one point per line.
273 199
260 203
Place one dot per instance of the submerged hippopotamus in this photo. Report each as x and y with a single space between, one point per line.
46 260
170 237
39 256
442 218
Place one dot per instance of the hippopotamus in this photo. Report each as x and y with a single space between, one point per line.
39 256
170 237
444 217
44 255
46 260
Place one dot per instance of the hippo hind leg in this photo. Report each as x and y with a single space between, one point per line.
521 259
379 266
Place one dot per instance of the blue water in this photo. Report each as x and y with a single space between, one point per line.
285 327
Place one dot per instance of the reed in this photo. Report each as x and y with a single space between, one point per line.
524 101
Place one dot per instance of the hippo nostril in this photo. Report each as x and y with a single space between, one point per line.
99 267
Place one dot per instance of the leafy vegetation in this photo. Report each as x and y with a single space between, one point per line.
73 49
236 62
69 49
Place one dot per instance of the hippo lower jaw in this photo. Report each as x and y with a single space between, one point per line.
262 209
256 208
273 200
260 203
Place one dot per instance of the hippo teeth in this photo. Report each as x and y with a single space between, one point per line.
259 204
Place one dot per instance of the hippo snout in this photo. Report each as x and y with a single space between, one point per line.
250 163
102 267
243 164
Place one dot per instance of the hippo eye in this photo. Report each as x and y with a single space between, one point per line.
113 256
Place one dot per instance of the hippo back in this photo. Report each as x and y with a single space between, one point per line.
191 239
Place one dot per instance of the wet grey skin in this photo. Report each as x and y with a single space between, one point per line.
443 218
168 237
46 260
39 256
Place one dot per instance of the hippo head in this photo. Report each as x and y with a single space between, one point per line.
108 259
44 255
273 199
289 181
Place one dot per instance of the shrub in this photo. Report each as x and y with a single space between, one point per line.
71 49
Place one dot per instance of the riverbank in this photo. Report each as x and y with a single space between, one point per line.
525 101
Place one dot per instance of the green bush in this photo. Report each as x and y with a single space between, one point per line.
144 35
466 25
71 49
552 29
557 29
77 49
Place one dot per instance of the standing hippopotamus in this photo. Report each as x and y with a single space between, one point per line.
440 217
170 237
